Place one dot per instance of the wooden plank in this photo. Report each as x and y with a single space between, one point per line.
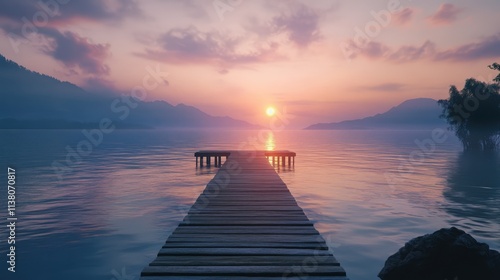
241 252
316 246
247 211
186 230
245 260
248 198
223 217
248 201
245 238
288 277
236 204
249 195
253 208
330 270
198 212
244 223
192 219
201 217
249 229
250 188
240 217
271 206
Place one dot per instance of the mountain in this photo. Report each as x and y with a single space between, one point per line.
32 100
411 114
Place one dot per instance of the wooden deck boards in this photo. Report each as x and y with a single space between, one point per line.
245 225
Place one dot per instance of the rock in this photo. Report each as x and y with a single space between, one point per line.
446 254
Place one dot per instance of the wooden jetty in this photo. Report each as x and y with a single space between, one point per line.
276 156
245 225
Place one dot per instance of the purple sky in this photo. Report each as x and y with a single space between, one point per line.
319 60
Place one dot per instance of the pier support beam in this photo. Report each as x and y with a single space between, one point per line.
205 157
277 158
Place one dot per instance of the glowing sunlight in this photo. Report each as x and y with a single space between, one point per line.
270 111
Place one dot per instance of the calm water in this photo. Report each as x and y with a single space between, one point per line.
109 216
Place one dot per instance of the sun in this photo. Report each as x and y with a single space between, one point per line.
270 111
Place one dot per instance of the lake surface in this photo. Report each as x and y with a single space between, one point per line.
368 192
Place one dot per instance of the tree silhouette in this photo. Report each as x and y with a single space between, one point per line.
496 66
474 113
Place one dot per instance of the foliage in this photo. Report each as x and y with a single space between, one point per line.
495 66
474 113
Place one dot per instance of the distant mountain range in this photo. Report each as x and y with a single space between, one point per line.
32 100
411 114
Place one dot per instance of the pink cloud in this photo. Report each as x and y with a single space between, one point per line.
77 52
404 16
486 48
411 53
192 46
63 12
446 14
301 25
374 49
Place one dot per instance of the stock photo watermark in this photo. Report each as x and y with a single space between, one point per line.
370 30
311 264
426 147
122 275
46 11
11 219
222 7
121 107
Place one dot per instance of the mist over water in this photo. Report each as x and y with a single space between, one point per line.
112 213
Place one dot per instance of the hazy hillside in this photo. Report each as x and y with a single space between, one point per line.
32 100
413 113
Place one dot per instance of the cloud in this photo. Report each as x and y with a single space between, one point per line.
78 54
446 14
40 23
411 53
75 51
374 49
52 13
371 49
407 53
301 25
190 45
487 48
194 9
404 16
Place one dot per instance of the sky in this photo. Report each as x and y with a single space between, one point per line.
318 61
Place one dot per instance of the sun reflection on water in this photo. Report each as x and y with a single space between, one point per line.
270 142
